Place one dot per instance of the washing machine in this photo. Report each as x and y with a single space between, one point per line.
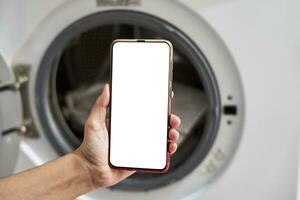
236 83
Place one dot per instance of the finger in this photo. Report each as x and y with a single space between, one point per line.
172 94
173 135
172 147
174 121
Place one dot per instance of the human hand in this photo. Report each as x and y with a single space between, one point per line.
94 148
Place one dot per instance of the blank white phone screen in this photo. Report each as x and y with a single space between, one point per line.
139 104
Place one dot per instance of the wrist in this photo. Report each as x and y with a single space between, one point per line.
84 169
96 173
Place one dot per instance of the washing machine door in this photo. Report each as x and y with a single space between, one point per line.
11 117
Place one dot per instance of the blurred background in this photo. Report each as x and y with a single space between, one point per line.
236 84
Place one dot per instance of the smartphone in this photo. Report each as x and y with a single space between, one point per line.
140 104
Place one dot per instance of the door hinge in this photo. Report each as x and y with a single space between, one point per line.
27 128
14 86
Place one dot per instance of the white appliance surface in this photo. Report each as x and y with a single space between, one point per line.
263 37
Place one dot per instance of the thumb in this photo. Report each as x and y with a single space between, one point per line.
103 99
98 113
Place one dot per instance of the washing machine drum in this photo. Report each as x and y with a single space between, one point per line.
74 66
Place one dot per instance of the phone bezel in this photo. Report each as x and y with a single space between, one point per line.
149 170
